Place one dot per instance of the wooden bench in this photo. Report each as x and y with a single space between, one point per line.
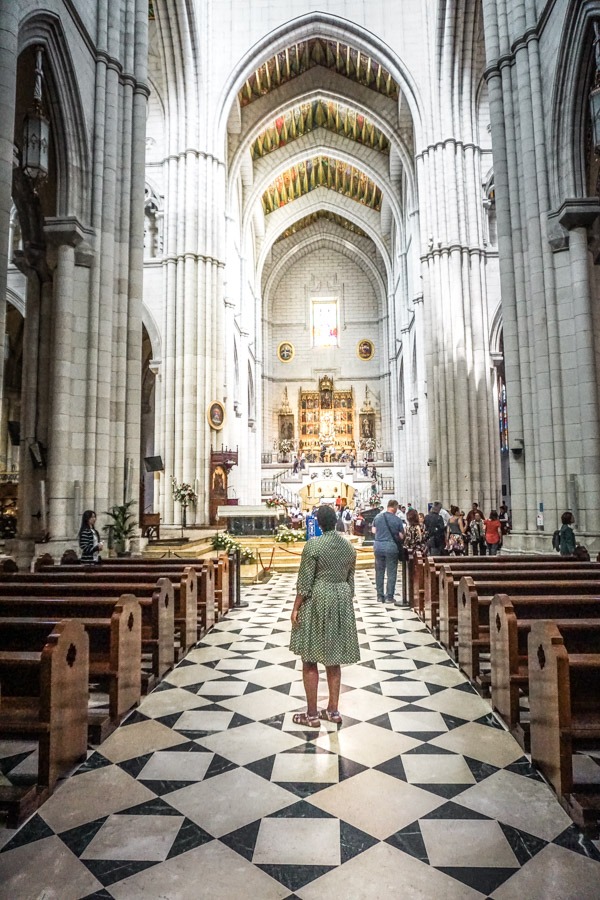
430 597
511 619
115 651
450 575
564 698
45 697
90 599
474 600
184 580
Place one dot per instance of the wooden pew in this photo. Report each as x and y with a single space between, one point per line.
564 698
45 697
510 623
183 579
474 600
115 651
222 586
96 600
450 575
430 597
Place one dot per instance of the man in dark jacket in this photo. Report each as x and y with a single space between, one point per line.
435 531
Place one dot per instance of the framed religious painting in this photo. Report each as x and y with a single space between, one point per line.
216 415
285 351
365 349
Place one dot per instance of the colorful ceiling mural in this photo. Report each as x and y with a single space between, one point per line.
319 114
295 60
306 221
321 171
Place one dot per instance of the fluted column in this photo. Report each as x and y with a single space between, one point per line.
63 451
9 26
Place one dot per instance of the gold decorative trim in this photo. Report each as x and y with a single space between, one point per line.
286 351
215 415
365 349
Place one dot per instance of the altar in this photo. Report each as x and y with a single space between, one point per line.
250 520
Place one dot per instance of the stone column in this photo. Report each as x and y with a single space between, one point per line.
9 28
64 235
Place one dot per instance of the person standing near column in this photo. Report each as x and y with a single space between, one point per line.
493 533
389 535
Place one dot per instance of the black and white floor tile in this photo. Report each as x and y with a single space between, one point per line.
210 790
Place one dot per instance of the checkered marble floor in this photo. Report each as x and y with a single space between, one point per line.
210 790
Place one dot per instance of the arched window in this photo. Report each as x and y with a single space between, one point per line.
401 397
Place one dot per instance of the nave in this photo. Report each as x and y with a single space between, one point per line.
210 790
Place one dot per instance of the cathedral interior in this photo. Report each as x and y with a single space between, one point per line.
299 253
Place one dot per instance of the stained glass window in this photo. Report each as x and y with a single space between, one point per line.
503 417
324 323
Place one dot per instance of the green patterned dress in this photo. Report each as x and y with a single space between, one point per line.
326 632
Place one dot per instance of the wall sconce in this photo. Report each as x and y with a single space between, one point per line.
517 448
36 131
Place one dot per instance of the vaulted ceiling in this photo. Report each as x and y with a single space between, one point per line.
323 135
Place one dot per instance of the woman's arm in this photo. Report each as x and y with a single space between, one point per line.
297 604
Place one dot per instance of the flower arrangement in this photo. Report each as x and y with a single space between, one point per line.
274 501
183 492
247 556
286 446
367 444
375 499
222 540
287 535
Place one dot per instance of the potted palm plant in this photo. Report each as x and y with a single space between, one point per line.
122 527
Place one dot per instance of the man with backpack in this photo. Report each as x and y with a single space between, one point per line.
435 531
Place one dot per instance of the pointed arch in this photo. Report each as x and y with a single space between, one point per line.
316 24
70 131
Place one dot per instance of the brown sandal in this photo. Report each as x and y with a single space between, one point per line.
306 721
332 716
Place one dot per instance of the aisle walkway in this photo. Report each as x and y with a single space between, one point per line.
210 791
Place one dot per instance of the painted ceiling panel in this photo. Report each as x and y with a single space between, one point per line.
319 114
295 60
321 171
314 217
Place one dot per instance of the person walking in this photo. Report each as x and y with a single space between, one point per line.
567 534
477 534
323 621
493 533
389 534
414 538
435 531
89 539
455 530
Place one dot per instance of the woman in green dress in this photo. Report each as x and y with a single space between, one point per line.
323 623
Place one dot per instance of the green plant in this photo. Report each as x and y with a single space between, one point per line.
123 525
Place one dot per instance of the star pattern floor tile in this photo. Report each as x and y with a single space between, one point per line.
210 788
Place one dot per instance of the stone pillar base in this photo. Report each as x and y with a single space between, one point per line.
22 550
537 542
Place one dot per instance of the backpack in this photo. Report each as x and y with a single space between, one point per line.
556 540
347 515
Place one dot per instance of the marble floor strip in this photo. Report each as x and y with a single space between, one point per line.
210 790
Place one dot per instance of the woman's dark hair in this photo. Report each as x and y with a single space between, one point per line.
85 519
454 510
567 518
327 518
494 514
412 517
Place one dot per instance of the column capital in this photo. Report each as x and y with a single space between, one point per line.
65 230
579 212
